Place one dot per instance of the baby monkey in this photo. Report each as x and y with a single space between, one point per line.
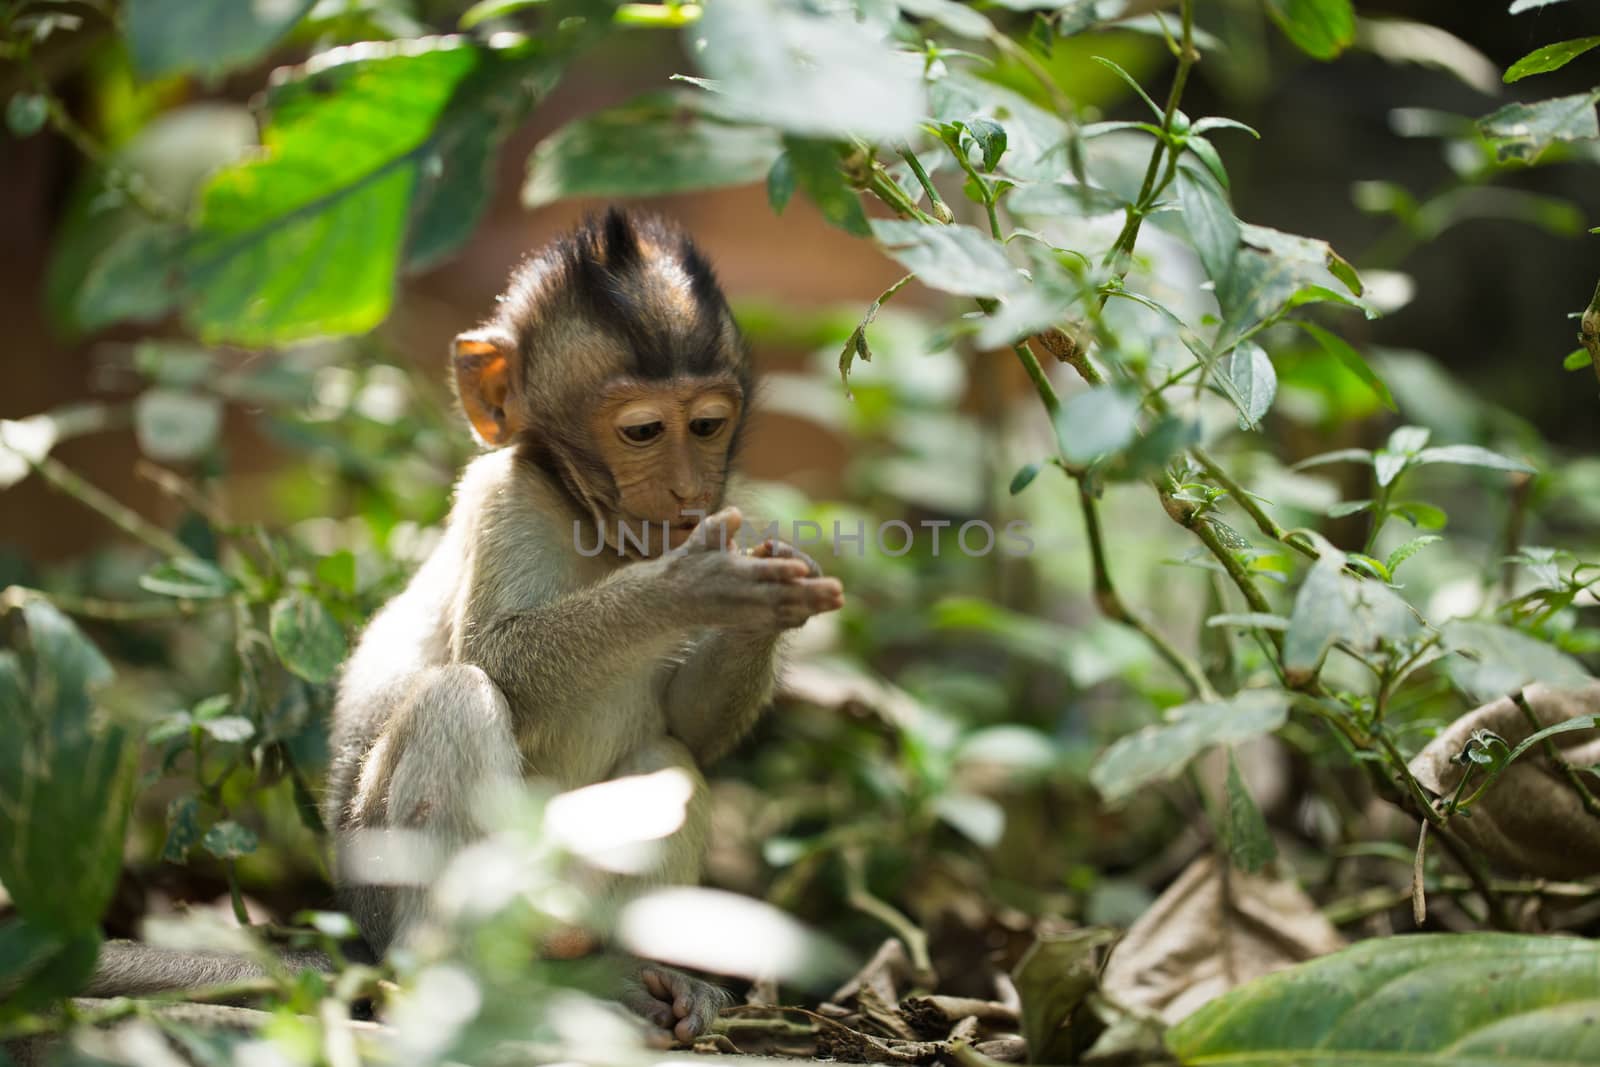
585 614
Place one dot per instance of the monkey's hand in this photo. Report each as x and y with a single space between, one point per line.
682 1007
771 588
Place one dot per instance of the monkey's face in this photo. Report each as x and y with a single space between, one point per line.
667 447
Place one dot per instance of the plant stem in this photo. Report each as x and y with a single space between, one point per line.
941 210
1589 330
117 513
1264 522
122 610
1590 803
1187 57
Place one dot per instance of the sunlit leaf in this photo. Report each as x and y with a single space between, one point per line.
1472 456
1550 57
1447 1000
307 638
1523 131
955 259
1340 349
1319 28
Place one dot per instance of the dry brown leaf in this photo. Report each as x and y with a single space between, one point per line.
1210 931
1531 820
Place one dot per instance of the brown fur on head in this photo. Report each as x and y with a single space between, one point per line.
614 363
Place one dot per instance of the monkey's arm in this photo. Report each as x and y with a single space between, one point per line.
718 692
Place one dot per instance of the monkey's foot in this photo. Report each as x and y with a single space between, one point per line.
682 1007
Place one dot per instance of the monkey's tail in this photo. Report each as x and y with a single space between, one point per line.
135 969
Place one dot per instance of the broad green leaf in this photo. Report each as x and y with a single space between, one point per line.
133 280
1321 615
1319 28
1274 271
811 73
176 425
1212 225
1340 349
305 238
1550 57
1577 360
954 259
66 775
175 36
1523 131
1425 1000
190 579
307 638
1472 456
229 840
1250 844
816 170
653 145
1247 378
1096 422
1161 751
1492 660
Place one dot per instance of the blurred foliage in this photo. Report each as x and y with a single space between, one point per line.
988 739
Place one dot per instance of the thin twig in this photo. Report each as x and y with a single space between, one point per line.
117 513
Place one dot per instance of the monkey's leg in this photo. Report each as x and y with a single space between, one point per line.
449 735
674 1001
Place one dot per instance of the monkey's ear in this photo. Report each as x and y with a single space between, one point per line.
482 360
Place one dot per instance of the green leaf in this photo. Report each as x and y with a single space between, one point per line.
954 259
1161 751
1132 83
229 840
1207 153
66 775
133 280
1247 378
183 828
26 114
1340 349
1273 271
819 74
1422 515
362 144
816 170
308 639
653 145
780 183
991 139
1425 1000
1493 660
1053 979
1348 507
484 10
1319 28
1523 131
175 36
1550 57
1472 456
1250 844
1333 606
1096 422
1338 455
175 425
1579 359
189 579
1212 225
1024 477
1250 620
1409 549
40 966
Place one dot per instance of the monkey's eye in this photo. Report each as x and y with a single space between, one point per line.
641 433
706 427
